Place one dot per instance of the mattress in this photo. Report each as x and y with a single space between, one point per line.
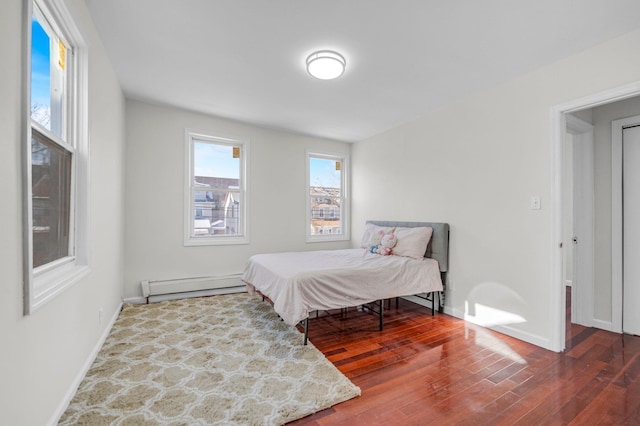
302 282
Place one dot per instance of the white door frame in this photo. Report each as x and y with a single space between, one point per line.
557 292
583 221
617 127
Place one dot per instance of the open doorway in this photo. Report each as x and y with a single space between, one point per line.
607 106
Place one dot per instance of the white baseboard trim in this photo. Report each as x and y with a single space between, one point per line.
138 300
449 311
83 370
186 295
534 339
603 325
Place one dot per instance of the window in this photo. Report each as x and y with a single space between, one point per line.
55 188
215 189
327 201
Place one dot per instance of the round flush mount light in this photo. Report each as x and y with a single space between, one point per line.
325 64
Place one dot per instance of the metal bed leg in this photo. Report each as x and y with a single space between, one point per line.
306 330
381 312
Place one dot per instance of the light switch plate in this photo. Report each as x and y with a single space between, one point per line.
534 203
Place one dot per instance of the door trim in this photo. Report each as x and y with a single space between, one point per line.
557 292
617 126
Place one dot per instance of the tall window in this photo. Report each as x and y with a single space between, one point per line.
55 155
327 201
215 189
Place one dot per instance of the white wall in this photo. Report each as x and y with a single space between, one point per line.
42 355
155 195
475 164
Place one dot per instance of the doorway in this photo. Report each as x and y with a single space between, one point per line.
559 127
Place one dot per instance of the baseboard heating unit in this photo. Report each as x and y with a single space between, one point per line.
158 290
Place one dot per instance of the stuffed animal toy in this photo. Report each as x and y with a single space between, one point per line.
374 241
387 244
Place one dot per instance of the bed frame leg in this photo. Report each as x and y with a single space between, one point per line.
433 303
381 313
306 330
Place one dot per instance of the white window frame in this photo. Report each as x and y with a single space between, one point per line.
242 237
45 282
344 201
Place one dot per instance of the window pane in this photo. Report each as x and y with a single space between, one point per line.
220 216
325 191
51 197
325 174
40 75
215 165
216 188
48 65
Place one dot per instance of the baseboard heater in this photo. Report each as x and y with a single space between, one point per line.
158 290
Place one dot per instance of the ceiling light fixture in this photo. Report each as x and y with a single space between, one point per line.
326 64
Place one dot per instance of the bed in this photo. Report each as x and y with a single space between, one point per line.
299 283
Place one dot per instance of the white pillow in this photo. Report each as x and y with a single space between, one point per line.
371 229
412 242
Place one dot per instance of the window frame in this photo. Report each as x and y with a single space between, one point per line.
42 284
344 198
191 136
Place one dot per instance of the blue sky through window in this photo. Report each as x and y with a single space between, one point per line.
322 172
215 161
40 75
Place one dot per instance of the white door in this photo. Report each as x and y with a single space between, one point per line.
631 230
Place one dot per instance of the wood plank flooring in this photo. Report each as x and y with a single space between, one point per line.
425 369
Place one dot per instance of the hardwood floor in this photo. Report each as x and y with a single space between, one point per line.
441 370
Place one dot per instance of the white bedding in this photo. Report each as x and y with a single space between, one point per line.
302 282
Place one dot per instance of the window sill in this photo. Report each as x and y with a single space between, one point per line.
215 241
326 238
49 285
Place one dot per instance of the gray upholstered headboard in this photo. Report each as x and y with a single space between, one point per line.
438 247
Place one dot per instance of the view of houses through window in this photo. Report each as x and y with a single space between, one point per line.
51 200
326 195
216 205
325 210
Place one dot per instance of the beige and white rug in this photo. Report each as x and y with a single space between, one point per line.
213 360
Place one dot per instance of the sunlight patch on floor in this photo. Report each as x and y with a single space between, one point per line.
487 316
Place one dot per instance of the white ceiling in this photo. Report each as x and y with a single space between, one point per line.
244 59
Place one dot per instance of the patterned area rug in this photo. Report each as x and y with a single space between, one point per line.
213 360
